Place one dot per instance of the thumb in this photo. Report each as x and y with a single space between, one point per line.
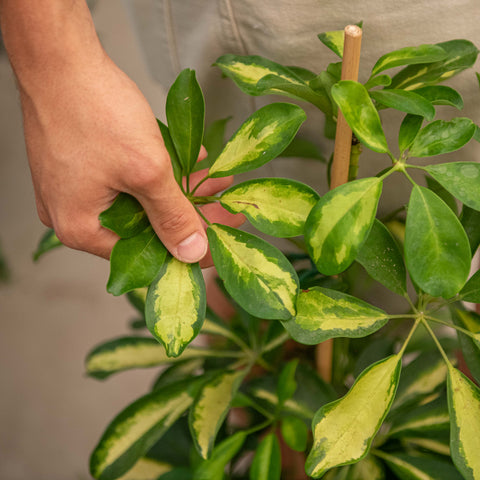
173 217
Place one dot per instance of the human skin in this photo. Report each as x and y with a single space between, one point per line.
91 134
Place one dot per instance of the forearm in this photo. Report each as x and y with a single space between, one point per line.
45 37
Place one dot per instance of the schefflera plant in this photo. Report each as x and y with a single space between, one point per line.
340 229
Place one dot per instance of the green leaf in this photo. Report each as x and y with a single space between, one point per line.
261 138
135 262
378 81
276 85
4 270
409 129
286 382
137 299
211 407
340 222
176 305
295 433
471 223
185 110
441 95
137 428
405 101
431 417
442 137
266 464
420 378
178 473
303 148
367 468
344 430
146 469
464 408
48 242
324 314
334 41
461 179
442 193
409 467
213 141
180 370
246 71
461 54
381 258
256 274
167 140
360 113
470 347
409 56
275 206
213 468
437 251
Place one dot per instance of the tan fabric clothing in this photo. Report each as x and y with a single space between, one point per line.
176 34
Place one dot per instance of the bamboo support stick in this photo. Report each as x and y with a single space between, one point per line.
341 164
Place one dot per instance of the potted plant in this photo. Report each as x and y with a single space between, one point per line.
249 403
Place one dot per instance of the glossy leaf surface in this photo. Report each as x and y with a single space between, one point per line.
256 274
437 251
334 40
135 262
441 95
261 138
131 434
409 129
461 179
185 110
174 160
381 258
210 409
286 382
464 407
266 464
442 137
275 206
176 305
409 56
471 223
360 113
461 54
353 417
405 101
340 222
324 314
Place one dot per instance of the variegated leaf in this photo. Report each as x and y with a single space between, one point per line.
135 262
409 467
275 206
211 407
334 40
461 54
185 111
368 468
256 274
135 430
179 371
214 467
360 113
471 291
409 56
48 242
470 346
176 305
146 469
324 314
246 71
464 408
261 138
436 445
340 222
461 179
442 137
344 430
126 217
437 251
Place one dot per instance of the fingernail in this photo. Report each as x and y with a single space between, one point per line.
193 248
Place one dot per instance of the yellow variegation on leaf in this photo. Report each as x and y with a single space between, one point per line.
176 305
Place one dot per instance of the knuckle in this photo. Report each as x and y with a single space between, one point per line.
175 221
74 235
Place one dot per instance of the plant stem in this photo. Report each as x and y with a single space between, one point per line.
452 325
276 342
412 331
435 339
260 426
203 200
203 180
205 219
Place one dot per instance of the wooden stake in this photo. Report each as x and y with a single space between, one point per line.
341 164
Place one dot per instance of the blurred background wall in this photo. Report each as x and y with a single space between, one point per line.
53 312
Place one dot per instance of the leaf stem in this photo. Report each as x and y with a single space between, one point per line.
258 427
276 342
410 334
435 339
452 325
203 180
204 218
203 200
